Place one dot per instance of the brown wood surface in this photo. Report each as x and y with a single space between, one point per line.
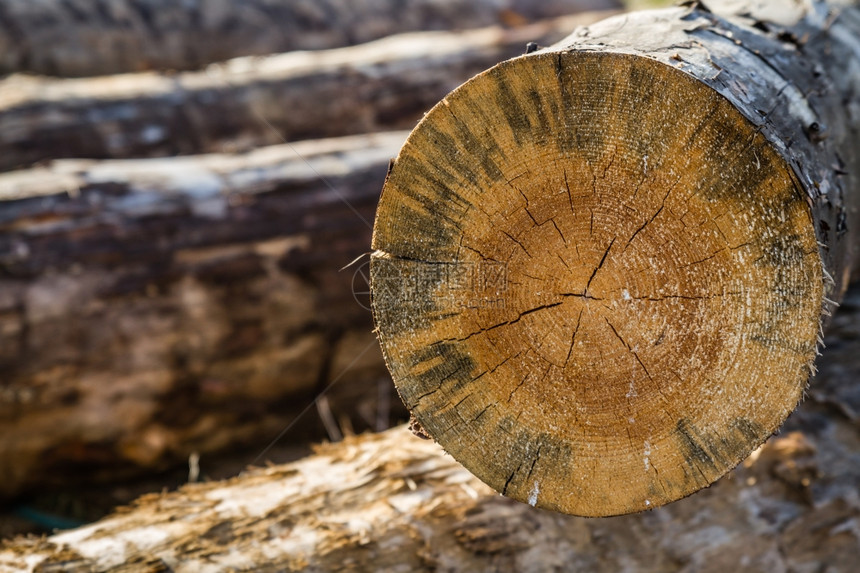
154 308
393 502
255 101
601 270
85 38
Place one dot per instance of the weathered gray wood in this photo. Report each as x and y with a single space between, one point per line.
151 308
393 502
250 102
85 38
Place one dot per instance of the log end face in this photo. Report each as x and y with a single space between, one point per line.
595 284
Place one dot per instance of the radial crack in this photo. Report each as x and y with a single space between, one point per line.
482 412
611 161
560 234
648 222
505 323
511 237
569 195
600 264
534 461
523 381
573 339
630 349
497 366
708 258
526 208
510 478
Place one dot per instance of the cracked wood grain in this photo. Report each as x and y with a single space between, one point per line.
700 173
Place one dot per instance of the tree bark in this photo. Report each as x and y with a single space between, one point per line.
82 38
153 308
601 270
251 102
392 502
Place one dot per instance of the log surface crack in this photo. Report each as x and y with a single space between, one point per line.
573 339
654 216
599 265
630 349
505 323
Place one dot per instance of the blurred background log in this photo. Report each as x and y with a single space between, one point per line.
85 38
393 502
250 102
154 308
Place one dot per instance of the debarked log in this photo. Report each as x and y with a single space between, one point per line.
251 102
153 308
601 271
84 38
392 502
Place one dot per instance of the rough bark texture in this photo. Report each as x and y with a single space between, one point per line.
152 308
601 270
84 38
251 102
392 502
791 69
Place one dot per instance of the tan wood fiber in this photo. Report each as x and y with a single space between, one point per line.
595 283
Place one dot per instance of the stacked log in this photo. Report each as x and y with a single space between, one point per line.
83 38
251 102
152 308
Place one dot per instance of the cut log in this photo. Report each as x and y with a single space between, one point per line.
252 102
83 38
601 270
392 502
153 308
